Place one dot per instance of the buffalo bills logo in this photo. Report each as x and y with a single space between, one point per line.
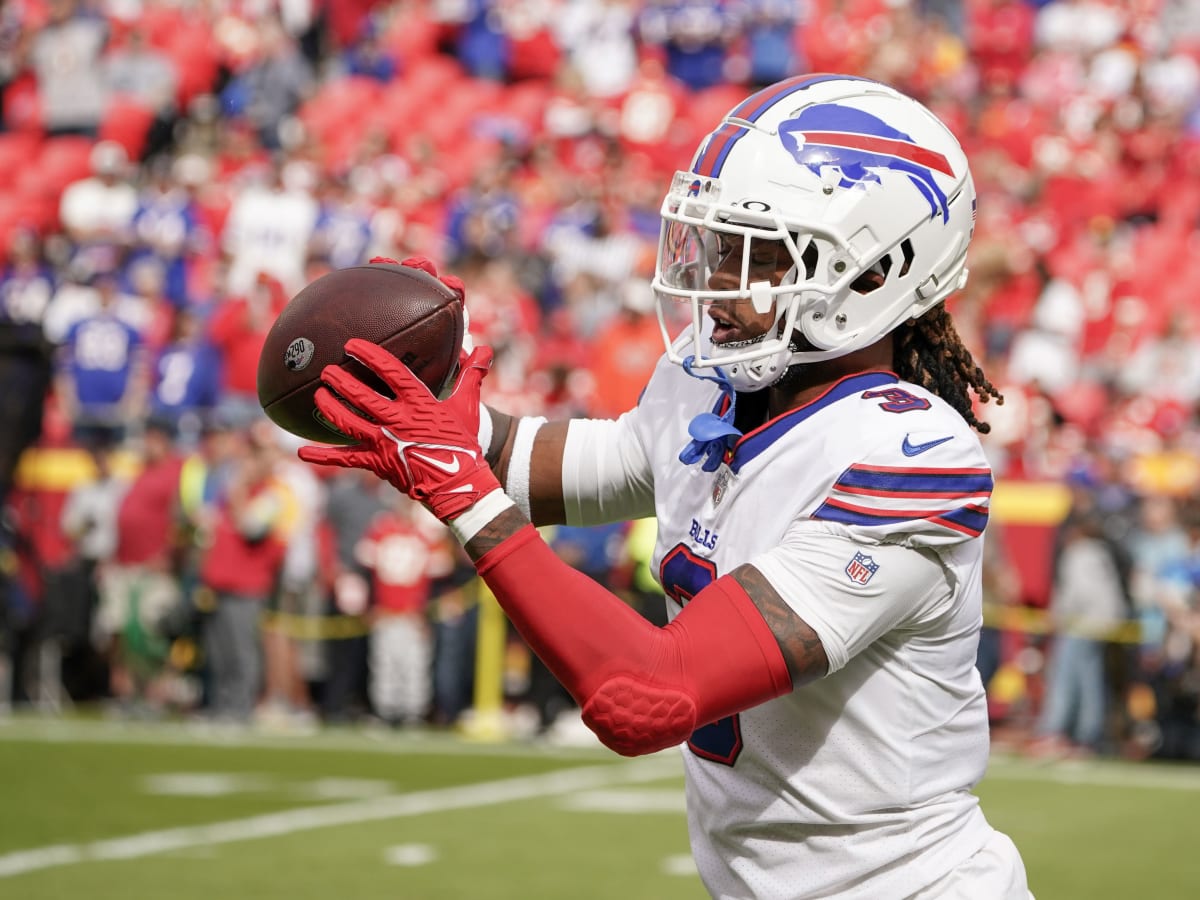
856 143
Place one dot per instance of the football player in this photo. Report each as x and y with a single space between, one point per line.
808 446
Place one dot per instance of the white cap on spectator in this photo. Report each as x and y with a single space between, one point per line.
191 170
108 158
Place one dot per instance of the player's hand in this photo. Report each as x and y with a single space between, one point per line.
425 447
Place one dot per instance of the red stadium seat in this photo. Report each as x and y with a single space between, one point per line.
526 103
22 105
10 221
458 107
412 38
433 78
343 103
63 160
162 24
467 157
17 148
127 121
29 206
398 103
196 62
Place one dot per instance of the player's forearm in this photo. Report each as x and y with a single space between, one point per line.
641 688
544 464
492 535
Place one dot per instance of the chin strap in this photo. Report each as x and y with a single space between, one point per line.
712 434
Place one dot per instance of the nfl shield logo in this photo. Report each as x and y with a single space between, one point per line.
720 484
861 568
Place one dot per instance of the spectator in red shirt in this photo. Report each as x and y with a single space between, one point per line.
139 586
1001 38
239 329
404 549
240 571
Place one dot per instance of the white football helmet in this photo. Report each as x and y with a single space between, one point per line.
853 177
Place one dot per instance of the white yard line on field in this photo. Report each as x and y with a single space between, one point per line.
489 793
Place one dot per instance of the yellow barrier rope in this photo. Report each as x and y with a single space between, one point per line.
1027 620
1023 619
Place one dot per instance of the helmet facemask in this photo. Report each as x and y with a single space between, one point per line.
699 239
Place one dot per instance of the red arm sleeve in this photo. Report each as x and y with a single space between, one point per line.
641 688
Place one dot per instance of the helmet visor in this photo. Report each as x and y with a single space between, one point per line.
689 256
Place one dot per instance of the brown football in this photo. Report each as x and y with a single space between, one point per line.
405 310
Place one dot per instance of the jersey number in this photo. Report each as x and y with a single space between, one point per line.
684 575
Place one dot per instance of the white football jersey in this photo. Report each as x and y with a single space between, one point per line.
864 510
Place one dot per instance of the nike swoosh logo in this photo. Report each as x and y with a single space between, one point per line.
449 468
917 449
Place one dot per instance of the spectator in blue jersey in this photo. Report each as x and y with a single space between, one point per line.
343 228
484 216
101 370
370 57
166 227
483 47
694 35
770 28
186 379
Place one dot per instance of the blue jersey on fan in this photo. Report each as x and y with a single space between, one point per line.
166 225
343 232
187 378
100 353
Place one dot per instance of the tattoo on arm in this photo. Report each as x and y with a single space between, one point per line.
802 649
495 532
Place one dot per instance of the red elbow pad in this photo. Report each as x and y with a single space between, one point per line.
641 688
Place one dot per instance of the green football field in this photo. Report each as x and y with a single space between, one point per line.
108 811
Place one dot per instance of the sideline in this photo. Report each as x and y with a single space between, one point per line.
1002 766
1164 776
489 793
38 729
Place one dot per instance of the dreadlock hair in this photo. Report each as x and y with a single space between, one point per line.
929 352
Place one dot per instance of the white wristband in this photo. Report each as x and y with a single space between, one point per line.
485 429
479 514
521 460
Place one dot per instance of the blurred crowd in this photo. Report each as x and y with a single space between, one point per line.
174 171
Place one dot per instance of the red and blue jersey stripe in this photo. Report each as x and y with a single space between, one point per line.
956 499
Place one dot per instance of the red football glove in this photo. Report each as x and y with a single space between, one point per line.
425 447
425 264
